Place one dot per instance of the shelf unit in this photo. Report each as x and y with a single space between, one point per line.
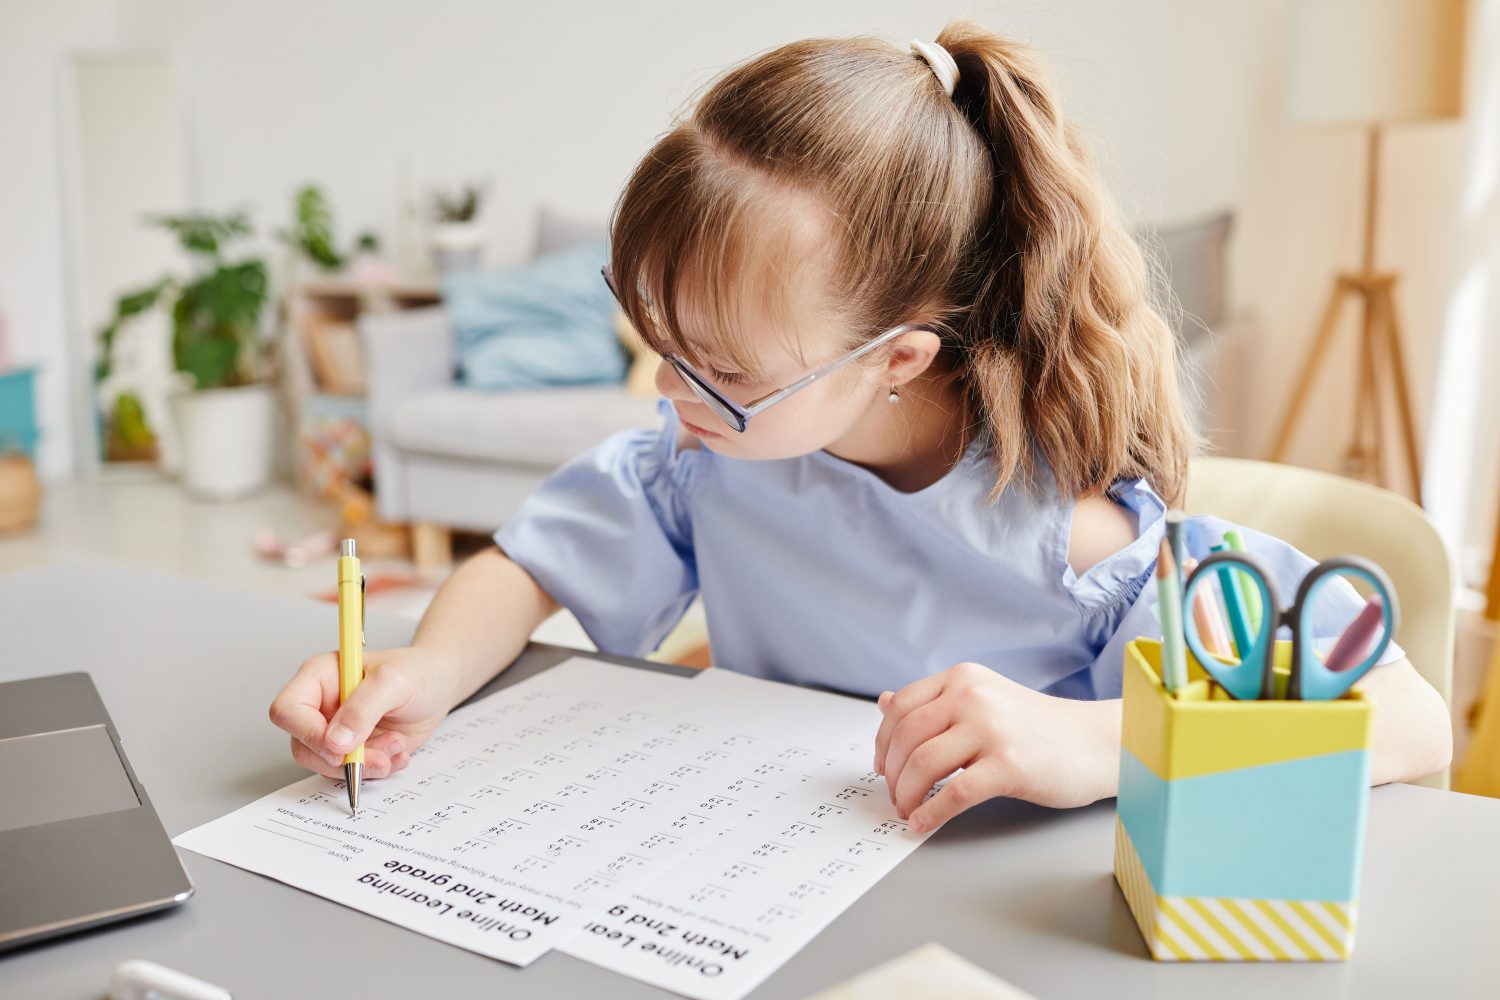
323 374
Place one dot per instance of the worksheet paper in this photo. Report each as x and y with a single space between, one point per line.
534 813
718 923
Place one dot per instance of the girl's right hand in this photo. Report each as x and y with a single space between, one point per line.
403 697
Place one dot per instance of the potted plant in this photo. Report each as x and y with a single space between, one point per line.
457 239
225 409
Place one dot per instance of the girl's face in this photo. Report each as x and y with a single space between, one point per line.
814 418
790 324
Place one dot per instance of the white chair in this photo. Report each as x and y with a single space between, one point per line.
1326 515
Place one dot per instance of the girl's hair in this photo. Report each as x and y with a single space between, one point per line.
978 215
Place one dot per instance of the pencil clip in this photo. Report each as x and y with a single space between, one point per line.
362 641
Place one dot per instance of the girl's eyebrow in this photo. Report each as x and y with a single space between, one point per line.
704 356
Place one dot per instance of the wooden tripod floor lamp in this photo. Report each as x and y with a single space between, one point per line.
1373 63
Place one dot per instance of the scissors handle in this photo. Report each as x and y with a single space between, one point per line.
1251 677
1317 679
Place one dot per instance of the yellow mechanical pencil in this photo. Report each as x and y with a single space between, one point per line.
351 653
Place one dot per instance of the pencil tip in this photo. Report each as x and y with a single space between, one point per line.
1165 564
351 782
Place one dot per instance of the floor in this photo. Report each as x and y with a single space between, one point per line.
144 519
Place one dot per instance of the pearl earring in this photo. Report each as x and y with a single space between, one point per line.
894 397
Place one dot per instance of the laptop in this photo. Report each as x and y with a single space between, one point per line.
80 844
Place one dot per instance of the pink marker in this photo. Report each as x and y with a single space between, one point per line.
1354 645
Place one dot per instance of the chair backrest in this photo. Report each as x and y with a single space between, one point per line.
1326 515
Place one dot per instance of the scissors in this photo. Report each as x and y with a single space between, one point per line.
1311 678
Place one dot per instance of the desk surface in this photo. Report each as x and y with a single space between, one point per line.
187 670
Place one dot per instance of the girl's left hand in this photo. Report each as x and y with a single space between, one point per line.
1008 739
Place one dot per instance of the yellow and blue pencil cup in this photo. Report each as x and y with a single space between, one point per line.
1240 825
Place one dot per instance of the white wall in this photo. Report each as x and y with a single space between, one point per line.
1463 448
556 102
33 276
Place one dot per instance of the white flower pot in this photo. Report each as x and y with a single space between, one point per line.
457 246
226 440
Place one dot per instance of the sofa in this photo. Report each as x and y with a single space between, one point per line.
450 457
447 456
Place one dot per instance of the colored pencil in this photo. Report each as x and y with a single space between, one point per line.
1207 615
1169 601
1248 592
1354 645
1234 609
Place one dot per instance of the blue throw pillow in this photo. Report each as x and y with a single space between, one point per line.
550 322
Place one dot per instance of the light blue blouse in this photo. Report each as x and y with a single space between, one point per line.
814 570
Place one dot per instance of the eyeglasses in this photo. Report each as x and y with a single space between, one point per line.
737 415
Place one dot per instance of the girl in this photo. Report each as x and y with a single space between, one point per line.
920 429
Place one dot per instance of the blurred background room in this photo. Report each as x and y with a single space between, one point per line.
277 273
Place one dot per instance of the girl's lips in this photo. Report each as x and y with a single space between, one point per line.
698 431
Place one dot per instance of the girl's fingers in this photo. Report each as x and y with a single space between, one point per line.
377 762
883 702
914 695
387 741
920 725
308 708
930 763
969 787
330 766
378 694
302 707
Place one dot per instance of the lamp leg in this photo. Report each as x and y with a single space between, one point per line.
1362 461
1377 409
1326 328
1385 297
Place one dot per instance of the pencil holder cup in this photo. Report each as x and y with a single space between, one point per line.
1240 825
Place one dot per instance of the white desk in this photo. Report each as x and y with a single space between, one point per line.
188 669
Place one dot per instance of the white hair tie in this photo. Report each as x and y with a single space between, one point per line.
941 62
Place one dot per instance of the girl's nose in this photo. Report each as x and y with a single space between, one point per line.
671 384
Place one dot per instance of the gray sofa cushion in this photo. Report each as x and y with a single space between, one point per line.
556 231
540 428
1195 255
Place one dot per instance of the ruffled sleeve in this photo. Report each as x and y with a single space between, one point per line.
1113 596
608 535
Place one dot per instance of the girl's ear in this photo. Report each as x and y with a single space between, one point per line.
911 354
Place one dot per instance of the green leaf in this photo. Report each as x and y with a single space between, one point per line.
135 303
460 206
204 235
102 367
128 305
209 360
313 232
215 323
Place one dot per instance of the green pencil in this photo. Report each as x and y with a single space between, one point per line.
1169 601
1249 593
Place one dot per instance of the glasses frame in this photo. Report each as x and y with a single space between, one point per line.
737 415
